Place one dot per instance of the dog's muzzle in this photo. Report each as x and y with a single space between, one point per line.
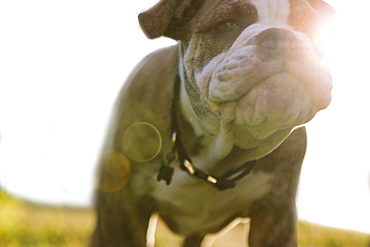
269 81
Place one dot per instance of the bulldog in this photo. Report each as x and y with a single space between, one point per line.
210 130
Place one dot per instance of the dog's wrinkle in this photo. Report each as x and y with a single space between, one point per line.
211 111
252 85
237 69
230 83
232 86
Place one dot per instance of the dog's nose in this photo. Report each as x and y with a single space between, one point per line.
278 41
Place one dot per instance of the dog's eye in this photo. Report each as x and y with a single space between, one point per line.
226 26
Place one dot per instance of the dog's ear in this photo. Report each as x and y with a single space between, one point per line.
325 10
168 18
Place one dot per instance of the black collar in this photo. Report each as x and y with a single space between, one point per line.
178 154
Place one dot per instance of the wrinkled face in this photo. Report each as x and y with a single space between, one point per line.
256 67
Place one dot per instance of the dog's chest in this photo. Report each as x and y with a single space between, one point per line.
190 205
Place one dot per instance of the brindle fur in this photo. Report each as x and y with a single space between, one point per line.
124 209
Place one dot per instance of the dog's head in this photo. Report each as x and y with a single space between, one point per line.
251 67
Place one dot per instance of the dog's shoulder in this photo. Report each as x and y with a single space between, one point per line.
151 83
154 72
146 99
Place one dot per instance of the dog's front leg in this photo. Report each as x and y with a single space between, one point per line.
274 218
193 241
274 226
122 220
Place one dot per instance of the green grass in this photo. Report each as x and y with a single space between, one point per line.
28 225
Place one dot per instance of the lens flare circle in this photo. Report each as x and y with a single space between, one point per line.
142 142
116 170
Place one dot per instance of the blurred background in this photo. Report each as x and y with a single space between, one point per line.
62 64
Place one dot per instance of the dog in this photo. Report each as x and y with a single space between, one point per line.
210 130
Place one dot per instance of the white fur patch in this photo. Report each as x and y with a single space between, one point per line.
272 12
195 206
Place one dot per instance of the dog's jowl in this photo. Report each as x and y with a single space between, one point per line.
211 129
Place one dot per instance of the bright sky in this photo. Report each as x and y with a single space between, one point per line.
63 62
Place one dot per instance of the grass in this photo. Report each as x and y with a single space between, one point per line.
28 225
